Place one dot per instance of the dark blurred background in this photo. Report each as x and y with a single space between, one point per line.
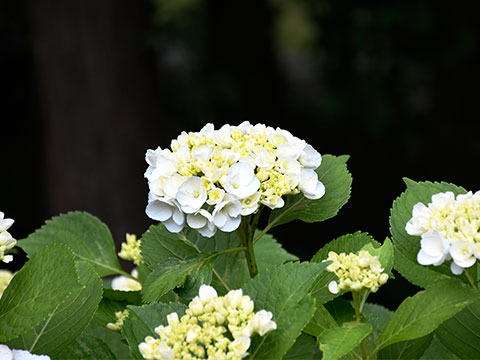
89 85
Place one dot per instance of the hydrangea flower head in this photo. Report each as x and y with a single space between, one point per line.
213 327
355 272
209 179
7 242
449 227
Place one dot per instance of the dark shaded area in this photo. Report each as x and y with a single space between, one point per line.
89 86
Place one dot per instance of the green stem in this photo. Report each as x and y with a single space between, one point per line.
471 281
358 305
246 232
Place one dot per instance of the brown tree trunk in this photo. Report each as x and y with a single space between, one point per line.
98 101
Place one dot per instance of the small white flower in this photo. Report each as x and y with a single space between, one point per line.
310 186
241 181
250 204
262 322
227 214
333 287
234 297
289 165
265 159
5 223
168 212
202 220
273 202
172 319
191 195
240 346
207 293
462 253
310 158
291 149
171 185
420 217
434 249
124 283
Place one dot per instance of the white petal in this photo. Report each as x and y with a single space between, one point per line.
172 226
5 352
207 293
159 210
433 244
455 269
333 287
424 259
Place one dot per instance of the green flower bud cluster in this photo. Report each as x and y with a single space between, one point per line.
213 327
131 250
117 325
355 272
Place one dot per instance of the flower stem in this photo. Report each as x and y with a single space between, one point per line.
358 305
246 232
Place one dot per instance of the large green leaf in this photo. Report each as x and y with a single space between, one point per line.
406 246
97 342
86 235
461 333
305 348
422 313
333 173
172 274
321 321
68 320
346 243
40 287
436 351
339 341
143 320
283 290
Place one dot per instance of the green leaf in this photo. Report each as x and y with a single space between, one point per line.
86 235
143 320
346 243
436 351
193 281
406 246
43 283
408 350
421 314
97 342
172 274
321 321
461 333
69 319
158 245
339 341
333 173
342 310
283 290
305 348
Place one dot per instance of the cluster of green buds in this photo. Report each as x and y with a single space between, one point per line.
213 327
355 272
131 250
117 325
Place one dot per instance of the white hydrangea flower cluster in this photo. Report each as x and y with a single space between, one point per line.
130 250
355 272
216 176
449 227
5 278
214 327
8 354
7 242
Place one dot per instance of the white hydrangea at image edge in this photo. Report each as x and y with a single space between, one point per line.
7 354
